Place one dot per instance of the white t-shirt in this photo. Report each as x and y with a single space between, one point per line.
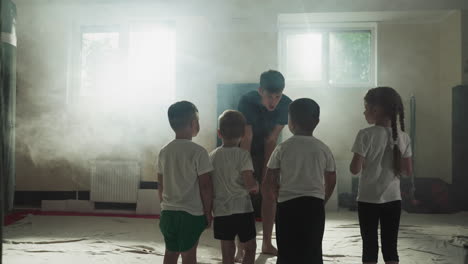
180 163
303 161
378 182
230 195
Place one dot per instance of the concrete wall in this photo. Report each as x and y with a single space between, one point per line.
56 140
464 29
450 70
408 60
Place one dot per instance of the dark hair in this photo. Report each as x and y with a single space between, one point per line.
305 113
272 81
232 124
181 114
392 105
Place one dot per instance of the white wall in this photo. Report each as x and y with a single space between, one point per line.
261 8
450 70
411 65
408 60
464 29
56 141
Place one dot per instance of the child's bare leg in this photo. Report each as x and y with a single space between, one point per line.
190 256
171 257
228 250
268 220
250 247
240 251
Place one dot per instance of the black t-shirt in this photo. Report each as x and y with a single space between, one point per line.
262 120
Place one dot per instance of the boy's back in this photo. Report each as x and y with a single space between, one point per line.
301 174
181 162
303 161
230 194
185 186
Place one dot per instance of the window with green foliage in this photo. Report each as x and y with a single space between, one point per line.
350 57
100 54
328 57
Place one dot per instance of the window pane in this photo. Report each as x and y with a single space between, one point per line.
152 62
100 60
304 56
350 57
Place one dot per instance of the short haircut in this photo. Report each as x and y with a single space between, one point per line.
305 113
181 114
272 81
232 124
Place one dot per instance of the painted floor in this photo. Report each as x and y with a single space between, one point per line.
424 239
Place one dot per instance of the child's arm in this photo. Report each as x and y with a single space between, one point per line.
271 186
270 145
407 169
360 149
249 181
206 193
356 164
407 166
246 141
330 182
160 187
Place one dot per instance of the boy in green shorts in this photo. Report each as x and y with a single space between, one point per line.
185 186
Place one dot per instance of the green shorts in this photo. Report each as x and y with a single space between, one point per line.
181 230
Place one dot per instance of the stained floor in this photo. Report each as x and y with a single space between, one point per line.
424 239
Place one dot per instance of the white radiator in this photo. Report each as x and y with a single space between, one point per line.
115 181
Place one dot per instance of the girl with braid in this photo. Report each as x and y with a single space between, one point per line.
383 153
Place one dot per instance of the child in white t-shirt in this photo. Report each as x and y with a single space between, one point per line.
301 176
383 153
185 186
233 181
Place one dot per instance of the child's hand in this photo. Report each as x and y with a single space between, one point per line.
254 190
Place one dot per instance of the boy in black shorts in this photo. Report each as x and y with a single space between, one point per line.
233 181
301 176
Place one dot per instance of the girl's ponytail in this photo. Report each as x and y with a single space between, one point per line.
391 102
396 148
401 114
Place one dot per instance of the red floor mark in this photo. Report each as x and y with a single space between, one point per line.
16 216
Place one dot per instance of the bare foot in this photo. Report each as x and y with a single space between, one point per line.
239 258
268 248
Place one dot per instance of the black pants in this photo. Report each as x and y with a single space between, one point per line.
300 225
388 214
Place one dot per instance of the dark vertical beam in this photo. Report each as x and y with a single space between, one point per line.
8 46
460 124
2 142
9 88
460 146
7 108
